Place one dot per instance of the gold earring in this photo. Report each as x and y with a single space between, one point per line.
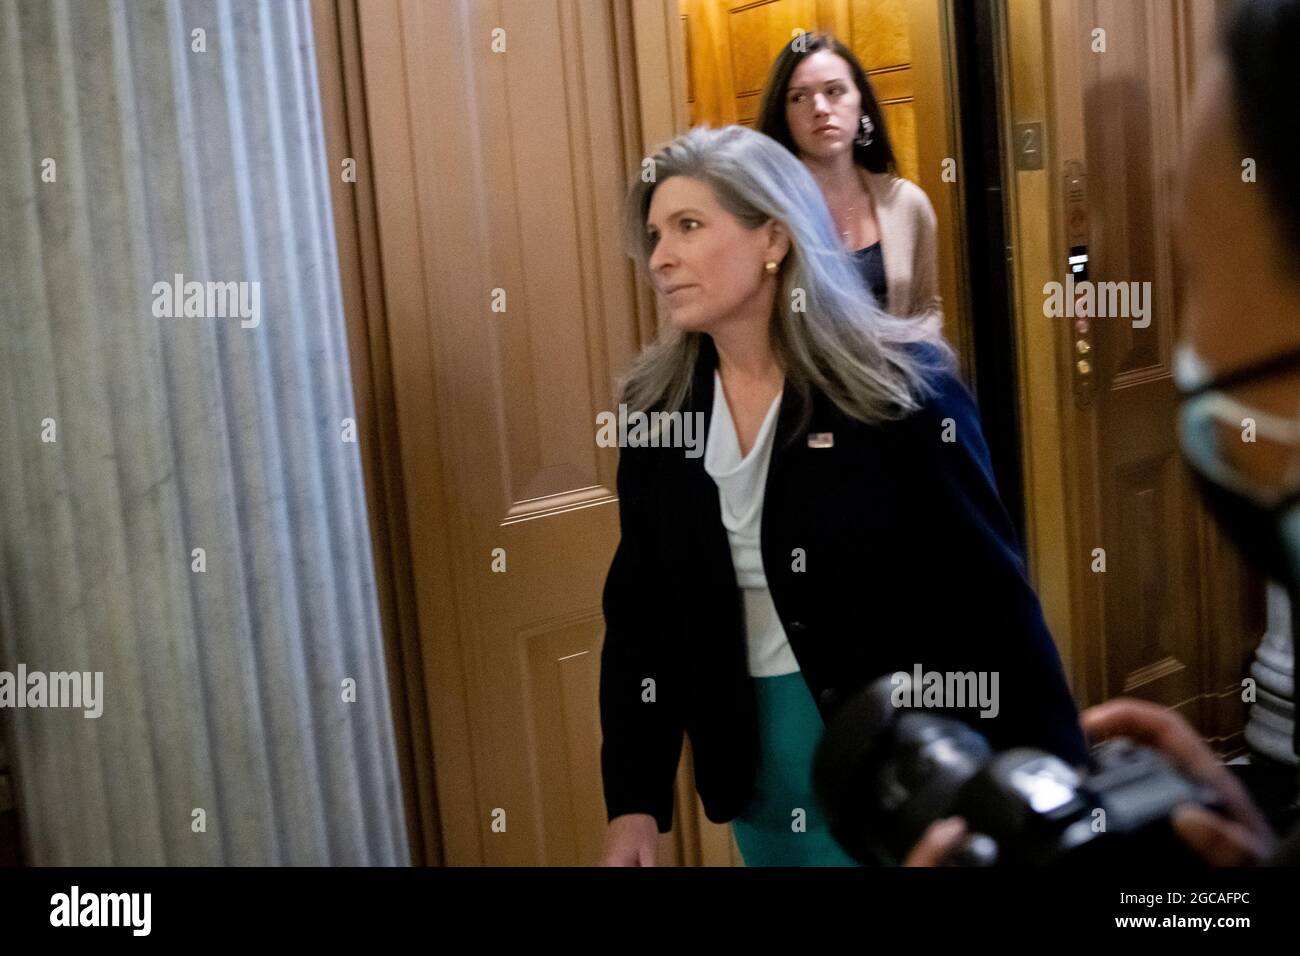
771 268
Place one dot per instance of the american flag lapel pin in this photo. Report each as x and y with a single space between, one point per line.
821 439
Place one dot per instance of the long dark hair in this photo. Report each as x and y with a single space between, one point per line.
878 157
1262 43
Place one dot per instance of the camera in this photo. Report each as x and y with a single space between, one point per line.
883 774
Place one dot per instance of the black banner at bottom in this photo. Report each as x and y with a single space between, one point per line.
333 905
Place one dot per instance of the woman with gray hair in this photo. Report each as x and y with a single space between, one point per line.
842 522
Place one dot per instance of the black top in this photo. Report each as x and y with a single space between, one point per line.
871 263
855 614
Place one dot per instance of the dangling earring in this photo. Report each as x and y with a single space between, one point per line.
770 268
867 128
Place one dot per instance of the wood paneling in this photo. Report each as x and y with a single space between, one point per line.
879 33
935 116
492 307
733 44
1174 615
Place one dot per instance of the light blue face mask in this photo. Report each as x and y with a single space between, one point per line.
1260 517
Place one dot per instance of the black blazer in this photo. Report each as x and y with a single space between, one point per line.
910 558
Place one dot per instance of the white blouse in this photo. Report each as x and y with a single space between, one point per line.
741 484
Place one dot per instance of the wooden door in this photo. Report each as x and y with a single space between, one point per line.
730 46
1165 611
501 138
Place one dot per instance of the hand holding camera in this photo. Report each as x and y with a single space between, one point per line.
924 788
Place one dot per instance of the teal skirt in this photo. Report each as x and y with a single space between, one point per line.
783 825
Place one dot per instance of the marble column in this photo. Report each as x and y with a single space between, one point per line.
1271 723
181 506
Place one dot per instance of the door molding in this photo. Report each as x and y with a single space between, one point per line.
389 299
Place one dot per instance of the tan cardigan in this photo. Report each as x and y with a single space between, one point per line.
908 244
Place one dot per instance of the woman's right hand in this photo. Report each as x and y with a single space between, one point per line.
631 840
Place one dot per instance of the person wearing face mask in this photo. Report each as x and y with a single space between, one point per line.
819 104
1238 359
839 523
